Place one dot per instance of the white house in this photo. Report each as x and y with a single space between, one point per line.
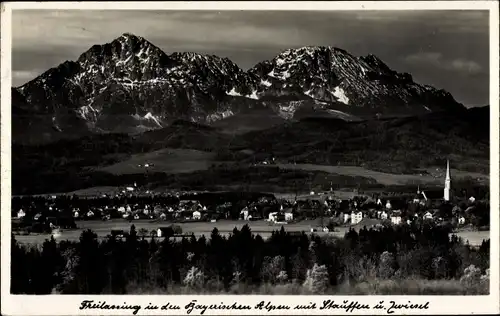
461 220
388 205
244 212
428 215
288 215
76 214
472 199
383 215
196 215
408 222
356 217
130 189
379 202
346 217
121 209
396 219
272 216
21 214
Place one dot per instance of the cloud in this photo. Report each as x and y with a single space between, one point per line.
465 65
436 59
25 75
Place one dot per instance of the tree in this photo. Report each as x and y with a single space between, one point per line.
143 232
317 279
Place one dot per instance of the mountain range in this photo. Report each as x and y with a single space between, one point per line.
131 86
206 123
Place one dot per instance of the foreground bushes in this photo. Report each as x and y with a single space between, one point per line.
400 260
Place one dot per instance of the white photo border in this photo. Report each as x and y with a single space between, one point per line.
69 304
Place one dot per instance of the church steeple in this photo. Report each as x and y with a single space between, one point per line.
447 182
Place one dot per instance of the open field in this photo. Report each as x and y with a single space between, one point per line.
103 228
428 176
164 160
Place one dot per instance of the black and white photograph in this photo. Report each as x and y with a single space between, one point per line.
250 152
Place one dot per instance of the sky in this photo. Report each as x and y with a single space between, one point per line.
446 49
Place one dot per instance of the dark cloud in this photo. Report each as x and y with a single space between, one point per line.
447 49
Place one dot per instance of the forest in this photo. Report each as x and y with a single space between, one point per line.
400 260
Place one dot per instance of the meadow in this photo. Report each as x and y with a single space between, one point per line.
433 176
225 227
166 160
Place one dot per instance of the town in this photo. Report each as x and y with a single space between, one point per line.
330 209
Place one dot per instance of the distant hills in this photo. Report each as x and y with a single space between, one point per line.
393 145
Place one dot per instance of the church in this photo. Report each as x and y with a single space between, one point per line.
447 182
431 195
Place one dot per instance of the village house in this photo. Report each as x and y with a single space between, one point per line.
388 205
288 214
428 216
347 217
461 220
244 213
21 213
356 217
396 218
420 197
384 215
196 215
273 216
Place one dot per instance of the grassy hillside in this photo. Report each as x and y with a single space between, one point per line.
392 145
398 145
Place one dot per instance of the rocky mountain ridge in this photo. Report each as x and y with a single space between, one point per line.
130 85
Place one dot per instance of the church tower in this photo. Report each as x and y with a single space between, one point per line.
447 182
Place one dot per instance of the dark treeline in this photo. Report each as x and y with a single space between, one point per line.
217 263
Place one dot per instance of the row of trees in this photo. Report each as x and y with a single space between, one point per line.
216 264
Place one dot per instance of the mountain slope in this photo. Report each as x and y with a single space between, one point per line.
333 75
130 85
397 145
392 145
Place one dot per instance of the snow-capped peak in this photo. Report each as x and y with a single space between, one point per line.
130 76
